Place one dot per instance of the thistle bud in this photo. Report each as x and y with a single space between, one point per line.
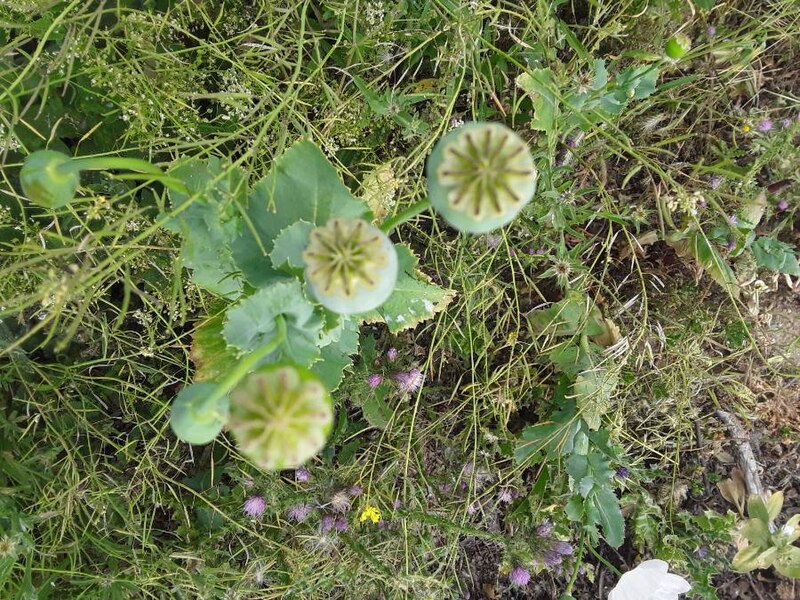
351 266
280 416
480 176
46 181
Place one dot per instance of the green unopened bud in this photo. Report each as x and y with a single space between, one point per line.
480 176
47 181
198 413
280 416
677 46
351 266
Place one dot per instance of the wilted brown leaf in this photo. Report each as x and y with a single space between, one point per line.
734 489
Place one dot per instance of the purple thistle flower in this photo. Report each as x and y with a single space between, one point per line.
374 380
783 205
623 472
410 382
391 354
701 552
254 506
302 475
327 522
544 529
552 558
298 512
786 123
715 181
356 491
519 576
563 548
396 503
764 125
711 31
341 524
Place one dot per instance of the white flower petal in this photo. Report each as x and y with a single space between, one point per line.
672 584
654 564
649 581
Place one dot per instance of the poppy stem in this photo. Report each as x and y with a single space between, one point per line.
405 215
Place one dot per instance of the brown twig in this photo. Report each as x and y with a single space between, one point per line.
755 588
747 459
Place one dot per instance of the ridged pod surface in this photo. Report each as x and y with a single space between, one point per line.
281 416
44 183
480 176
350 266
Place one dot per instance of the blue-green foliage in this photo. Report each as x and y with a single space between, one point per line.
245 245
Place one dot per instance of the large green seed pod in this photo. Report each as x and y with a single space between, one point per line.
47 181
198 413
351 266
280 416
480 176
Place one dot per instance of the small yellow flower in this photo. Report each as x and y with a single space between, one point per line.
371 513
747 129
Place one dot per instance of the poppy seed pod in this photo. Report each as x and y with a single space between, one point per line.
480 176
280 416
45 180
678 46
351 266
197 417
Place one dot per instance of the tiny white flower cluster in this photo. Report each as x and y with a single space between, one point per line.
8 141
374 13
685 203
455 123
240 101
5 215
25 7
142 317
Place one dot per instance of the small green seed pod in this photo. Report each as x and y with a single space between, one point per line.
196 420
280 416
677 46
480 176
46 182
351 266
